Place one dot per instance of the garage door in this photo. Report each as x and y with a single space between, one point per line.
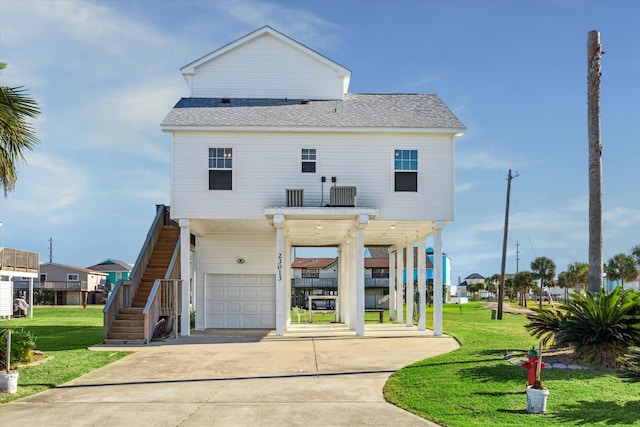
241 301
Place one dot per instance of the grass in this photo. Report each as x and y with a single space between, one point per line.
476 386
63 335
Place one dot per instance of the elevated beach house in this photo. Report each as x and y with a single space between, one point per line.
269 152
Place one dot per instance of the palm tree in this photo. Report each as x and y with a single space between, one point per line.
16 133
621 267
544 269
522 281
564 283
491 283
578 275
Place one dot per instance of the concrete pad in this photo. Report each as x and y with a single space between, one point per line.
314 375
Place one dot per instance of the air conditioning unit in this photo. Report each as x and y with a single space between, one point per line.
342 196
295 198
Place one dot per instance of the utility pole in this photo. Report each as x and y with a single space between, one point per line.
517 256
504 246
50 250
594 55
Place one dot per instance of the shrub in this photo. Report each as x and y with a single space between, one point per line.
630 364
545 324
602 327
22 345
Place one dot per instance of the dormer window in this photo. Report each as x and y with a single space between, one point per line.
405 166
220 168
308 156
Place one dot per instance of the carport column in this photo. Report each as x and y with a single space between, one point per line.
278 223
185 273
422 285
437 279
410 283
345 283
287 282
399 285
392 283
363 220
353 284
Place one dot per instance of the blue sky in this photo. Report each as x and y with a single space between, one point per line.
107 72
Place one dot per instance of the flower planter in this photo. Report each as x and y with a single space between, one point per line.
9 382
536 400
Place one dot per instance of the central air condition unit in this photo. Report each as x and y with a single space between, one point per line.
295 198
342 196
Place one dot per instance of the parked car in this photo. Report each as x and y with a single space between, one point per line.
321 304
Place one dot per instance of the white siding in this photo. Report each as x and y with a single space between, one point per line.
218 254
266 165
266 68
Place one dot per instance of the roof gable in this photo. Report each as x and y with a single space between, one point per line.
266 31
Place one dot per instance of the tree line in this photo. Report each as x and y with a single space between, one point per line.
621 267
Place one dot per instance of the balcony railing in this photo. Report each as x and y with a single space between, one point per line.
17 260
51 286
377 282
316 283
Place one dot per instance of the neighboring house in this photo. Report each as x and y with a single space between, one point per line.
270 151
70 285
114 269
16 263
313 276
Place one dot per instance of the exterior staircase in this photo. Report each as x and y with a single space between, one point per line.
128 326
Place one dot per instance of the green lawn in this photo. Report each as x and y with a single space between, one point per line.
63 334
476 386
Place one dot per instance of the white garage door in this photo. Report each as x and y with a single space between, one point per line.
244 301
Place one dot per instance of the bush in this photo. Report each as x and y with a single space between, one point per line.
545 324
630 364
22 345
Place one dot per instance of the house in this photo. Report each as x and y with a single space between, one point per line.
67 284
16 263
114 269
270 152
313 276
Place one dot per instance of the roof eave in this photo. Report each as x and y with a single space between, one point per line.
314 129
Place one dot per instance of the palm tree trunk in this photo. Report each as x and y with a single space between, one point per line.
594 54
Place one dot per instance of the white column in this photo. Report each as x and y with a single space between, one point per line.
392 284
399 285
410 284
278 223
363 220
30 297
422 285
353 285
437 279
341 290
287 281
185 276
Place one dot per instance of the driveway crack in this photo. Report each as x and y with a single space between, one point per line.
315 356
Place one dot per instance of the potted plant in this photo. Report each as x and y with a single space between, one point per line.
537 394
8 379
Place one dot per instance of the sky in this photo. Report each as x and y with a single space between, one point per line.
105 74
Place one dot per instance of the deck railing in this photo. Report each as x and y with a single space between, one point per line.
19 261
52 286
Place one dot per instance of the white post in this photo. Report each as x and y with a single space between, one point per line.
287 282
185 276
278 223
363 220
392 284
399 285
422 285
410 284
437 279
353 285
30 297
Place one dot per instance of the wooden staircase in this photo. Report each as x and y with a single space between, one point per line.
128 326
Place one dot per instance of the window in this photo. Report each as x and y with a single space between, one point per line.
308 160
310 273
380 273
73 277
405 166
220 168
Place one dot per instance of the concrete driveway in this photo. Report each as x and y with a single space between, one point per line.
316 375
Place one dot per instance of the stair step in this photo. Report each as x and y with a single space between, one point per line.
127 330
139 323
130 310
125 336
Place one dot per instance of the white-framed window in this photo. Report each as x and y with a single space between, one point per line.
73 277
220 168
310 273
405 168
308 157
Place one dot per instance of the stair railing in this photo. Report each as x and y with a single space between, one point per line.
124 290
165 299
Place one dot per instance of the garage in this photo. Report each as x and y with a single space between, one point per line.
240 301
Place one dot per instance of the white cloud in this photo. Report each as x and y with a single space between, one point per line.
460 188
491 158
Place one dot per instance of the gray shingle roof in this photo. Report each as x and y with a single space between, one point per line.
356 110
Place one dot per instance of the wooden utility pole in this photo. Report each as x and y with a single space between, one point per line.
594 55
504 246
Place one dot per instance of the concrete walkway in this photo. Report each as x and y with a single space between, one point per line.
316 375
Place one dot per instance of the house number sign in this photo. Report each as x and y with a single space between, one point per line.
279 266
